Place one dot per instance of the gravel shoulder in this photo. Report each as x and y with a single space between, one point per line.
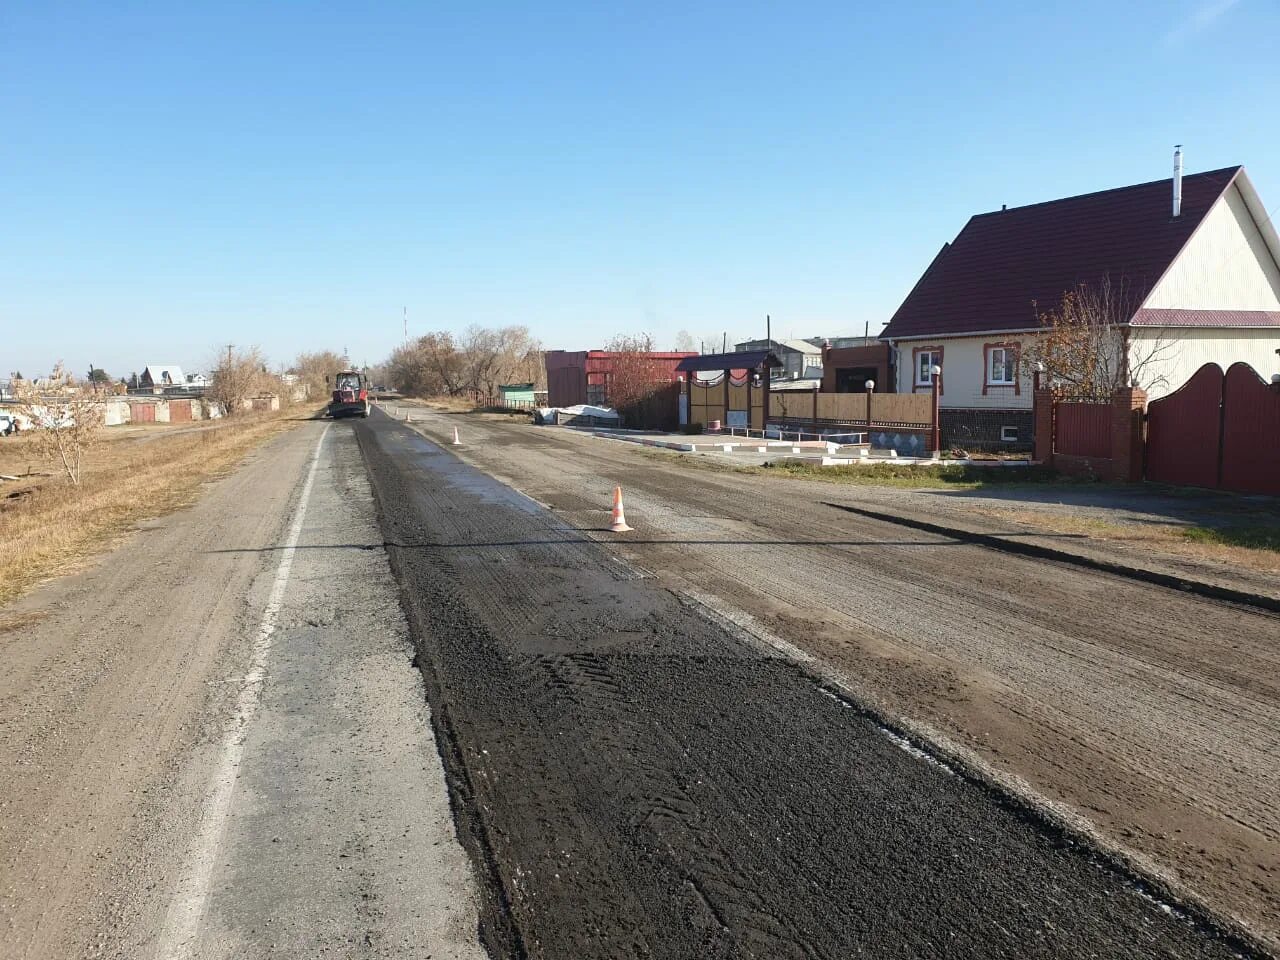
1145 717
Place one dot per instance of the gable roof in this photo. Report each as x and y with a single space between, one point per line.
1006 266
156 372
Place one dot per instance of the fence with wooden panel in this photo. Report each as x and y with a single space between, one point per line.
911 411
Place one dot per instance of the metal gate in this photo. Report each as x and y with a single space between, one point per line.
142 412
1217 431
179 411
1250 432
1184 430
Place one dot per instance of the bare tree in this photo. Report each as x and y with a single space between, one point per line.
66 418
316 370
685 343
237 376
1086 349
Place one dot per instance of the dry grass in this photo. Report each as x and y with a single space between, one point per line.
48 527
1253 548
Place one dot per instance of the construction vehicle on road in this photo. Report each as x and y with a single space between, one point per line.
350 395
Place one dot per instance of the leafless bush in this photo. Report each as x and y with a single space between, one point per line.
238 376
66 418
1085 349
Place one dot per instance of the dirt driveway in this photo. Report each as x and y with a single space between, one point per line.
1148 718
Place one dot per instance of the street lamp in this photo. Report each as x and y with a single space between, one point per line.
935 376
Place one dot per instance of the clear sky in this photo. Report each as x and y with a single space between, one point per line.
291 175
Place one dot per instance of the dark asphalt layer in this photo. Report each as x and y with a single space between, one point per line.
633 781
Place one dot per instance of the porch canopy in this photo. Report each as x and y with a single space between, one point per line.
740 360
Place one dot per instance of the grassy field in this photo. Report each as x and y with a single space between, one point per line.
49 527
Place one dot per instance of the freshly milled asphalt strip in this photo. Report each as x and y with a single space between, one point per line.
638 782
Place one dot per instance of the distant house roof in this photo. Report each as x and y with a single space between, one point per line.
738 360
163 373
1006 267
515 386
799 346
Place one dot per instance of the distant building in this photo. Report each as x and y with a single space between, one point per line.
158 377
582 376
800 358
519 394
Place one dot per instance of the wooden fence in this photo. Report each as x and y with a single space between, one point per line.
902 410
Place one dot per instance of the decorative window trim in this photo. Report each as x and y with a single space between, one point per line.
915 368
1016 384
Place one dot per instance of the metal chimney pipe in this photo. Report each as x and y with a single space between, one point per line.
1177 180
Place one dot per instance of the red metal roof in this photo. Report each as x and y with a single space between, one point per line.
1007 267
1206 318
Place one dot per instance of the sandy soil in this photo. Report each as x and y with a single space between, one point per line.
1145 716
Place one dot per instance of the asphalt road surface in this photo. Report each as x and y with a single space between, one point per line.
1146 718
214 745
636 777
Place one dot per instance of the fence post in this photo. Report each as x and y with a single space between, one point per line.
815 409
1042 414
1127 404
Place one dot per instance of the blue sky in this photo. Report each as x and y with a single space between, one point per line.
292 175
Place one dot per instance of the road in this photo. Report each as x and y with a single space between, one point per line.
756 727
641 776
214 744
1145 718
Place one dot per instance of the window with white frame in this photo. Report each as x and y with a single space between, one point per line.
925 362
1002 366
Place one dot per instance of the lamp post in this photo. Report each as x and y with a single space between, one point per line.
871 389
935 377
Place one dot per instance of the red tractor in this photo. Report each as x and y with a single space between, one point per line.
350 395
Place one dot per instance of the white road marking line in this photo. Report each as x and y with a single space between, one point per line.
179 937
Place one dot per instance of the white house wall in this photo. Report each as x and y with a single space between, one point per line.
964 372
1181 351
1225 266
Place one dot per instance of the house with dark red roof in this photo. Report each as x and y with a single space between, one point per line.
1195 260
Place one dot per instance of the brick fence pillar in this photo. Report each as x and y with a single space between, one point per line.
1042 411
1127 406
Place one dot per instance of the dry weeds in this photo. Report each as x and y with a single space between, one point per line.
49 528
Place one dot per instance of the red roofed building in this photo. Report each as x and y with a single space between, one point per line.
582 376
1205 283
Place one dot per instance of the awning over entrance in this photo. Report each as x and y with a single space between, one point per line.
740 360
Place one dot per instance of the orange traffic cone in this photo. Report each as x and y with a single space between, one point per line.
457 442
619 524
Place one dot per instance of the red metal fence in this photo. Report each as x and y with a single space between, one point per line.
1251 432
1184 431
1217 431
1082 428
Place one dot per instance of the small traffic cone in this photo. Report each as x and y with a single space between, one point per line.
457 442
619 524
